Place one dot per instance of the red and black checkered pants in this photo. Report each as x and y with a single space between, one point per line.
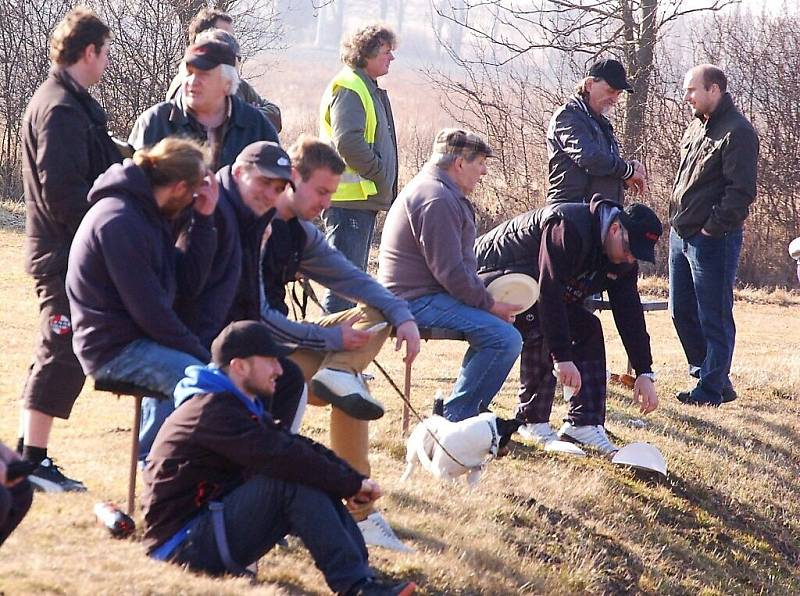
537 383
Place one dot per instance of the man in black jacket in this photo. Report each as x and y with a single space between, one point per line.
65 146
583 153
575 250
714 187
225 482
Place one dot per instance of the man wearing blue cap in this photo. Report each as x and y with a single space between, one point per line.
583 152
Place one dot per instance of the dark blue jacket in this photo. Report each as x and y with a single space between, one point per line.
171 119
123 270
583 156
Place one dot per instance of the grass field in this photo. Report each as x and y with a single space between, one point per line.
726 520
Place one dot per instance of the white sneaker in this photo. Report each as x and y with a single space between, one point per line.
588 436
377 532
540 433
347 391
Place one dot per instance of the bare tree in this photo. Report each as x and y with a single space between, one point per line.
580 29
149 40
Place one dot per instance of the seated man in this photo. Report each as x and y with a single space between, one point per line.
575 250
426 256
207 108
224 482
333 350
123 266
16 495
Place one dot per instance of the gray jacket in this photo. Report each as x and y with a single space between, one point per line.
427 242
322 263
583 156
377 162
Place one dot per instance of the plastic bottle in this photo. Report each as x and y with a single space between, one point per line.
118 523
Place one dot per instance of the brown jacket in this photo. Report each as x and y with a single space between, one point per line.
65 146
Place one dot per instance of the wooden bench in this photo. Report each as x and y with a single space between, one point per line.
439 333
137 392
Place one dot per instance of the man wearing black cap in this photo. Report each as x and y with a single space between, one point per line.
575 250
225 482
583 152
207 109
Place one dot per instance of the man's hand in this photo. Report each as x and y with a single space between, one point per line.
505 310
638 182
206 195
409 333
367 494
644 394
568 374
353 339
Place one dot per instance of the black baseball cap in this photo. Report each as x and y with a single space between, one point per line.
612 72
270 159
242 339
209 53
644 229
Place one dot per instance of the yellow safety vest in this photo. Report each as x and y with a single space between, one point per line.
352 187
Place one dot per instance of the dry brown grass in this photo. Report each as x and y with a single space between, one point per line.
726 521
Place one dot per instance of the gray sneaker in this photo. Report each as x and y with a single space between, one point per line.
347 391
588 436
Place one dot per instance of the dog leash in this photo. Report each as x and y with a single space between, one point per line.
422 421
308 292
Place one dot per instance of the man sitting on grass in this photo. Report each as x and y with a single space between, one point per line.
225 482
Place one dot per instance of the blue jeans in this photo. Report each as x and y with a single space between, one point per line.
262 511
148 364
350 232
494 346
702 272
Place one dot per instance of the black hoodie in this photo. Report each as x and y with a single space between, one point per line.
121 279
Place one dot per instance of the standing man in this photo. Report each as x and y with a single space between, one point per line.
213 18
583 152
356 118
574 250
207 109
65 146
427 258
714 187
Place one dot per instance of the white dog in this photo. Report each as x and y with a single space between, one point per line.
468 445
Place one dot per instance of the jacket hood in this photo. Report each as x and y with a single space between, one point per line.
125 180
202 379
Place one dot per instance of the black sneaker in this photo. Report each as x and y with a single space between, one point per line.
688 398
372 587
48 478
729 394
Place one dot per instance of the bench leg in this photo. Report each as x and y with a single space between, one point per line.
407 394
137 421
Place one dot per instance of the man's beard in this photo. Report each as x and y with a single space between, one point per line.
264 392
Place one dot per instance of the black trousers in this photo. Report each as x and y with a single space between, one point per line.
14 505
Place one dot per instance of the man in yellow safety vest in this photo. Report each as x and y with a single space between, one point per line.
356 119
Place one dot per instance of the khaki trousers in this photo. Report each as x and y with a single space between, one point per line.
349 437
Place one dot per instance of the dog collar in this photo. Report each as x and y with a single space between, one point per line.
495 442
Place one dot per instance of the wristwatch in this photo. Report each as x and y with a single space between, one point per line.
649 375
